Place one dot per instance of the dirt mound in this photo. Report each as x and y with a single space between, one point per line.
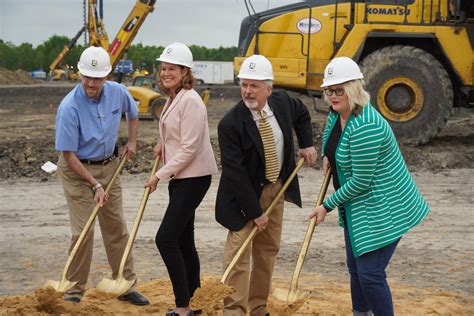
324 298
12 77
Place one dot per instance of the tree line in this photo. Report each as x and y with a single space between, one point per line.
29 58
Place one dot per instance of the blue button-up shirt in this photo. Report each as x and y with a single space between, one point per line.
90 127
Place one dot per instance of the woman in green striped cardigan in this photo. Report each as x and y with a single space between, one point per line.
377 198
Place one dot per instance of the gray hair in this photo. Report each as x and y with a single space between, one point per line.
268 83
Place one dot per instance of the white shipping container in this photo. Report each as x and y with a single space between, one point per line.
213 72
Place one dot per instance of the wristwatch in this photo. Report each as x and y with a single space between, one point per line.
96 186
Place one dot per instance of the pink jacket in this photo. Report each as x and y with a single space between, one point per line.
184 132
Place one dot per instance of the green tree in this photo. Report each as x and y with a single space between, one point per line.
28 58
8 58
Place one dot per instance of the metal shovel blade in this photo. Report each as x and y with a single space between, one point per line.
117 286
65 285
60 286
293 294
120 285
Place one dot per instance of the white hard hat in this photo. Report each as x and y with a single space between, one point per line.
340 70
177 54
256 67
94 62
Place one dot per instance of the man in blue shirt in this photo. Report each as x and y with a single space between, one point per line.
87 126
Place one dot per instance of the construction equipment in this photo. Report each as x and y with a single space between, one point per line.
253 232
120 285
147 81
293 294
416 55
98 35
64 74
140 72
149 103
64 284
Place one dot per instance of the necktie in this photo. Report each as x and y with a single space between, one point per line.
271 159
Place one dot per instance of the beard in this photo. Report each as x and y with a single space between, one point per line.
253 104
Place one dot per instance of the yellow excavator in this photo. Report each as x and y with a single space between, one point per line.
416 55
66 72
149 102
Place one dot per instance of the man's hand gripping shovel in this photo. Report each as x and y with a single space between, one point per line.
64 284
120 285
253 232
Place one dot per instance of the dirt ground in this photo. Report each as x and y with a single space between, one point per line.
431 272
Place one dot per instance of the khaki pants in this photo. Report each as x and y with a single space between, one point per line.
80 200
253 285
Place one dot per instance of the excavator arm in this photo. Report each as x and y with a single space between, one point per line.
98 35
129 29
65 50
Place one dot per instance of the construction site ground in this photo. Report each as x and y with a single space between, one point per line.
431 272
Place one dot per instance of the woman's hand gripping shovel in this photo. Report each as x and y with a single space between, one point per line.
64 284
253 232
294 294
120 285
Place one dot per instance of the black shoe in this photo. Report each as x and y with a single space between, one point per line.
134 298
171 312
73 299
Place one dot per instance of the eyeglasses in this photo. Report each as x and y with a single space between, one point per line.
339 92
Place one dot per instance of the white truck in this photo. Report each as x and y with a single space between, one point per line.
213 72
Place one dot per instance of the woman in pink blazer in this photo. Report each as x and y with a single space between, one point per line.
188 163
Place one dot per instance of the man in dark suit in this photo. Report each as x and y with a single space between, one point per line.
254 168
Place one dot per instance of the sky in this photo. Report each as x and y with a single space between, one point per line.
210 23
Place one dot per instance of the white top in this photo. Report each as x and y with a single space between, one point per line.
277 133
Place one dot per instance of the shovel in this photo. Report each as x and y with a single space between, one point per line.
294 294
65 285
120 285
253 232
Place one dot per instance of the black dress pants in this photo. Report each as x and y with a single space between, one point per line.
175 237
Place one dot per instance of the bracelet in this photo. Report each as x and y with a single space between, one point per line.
96 186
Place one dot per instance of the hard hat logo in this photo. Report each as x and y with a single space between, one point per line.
94 62
340 70
256 67
177 54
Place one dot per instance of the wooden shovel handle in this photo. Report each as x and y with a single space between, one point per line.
309 232
253 232
138 219
92 218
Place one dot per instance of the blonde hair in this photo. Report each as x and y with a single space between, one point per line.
187 82
357 96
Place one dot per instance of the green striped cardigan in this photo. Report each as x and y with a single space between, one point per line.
380 197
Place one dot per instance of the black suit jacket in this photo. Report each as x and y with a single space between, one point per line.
243 162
